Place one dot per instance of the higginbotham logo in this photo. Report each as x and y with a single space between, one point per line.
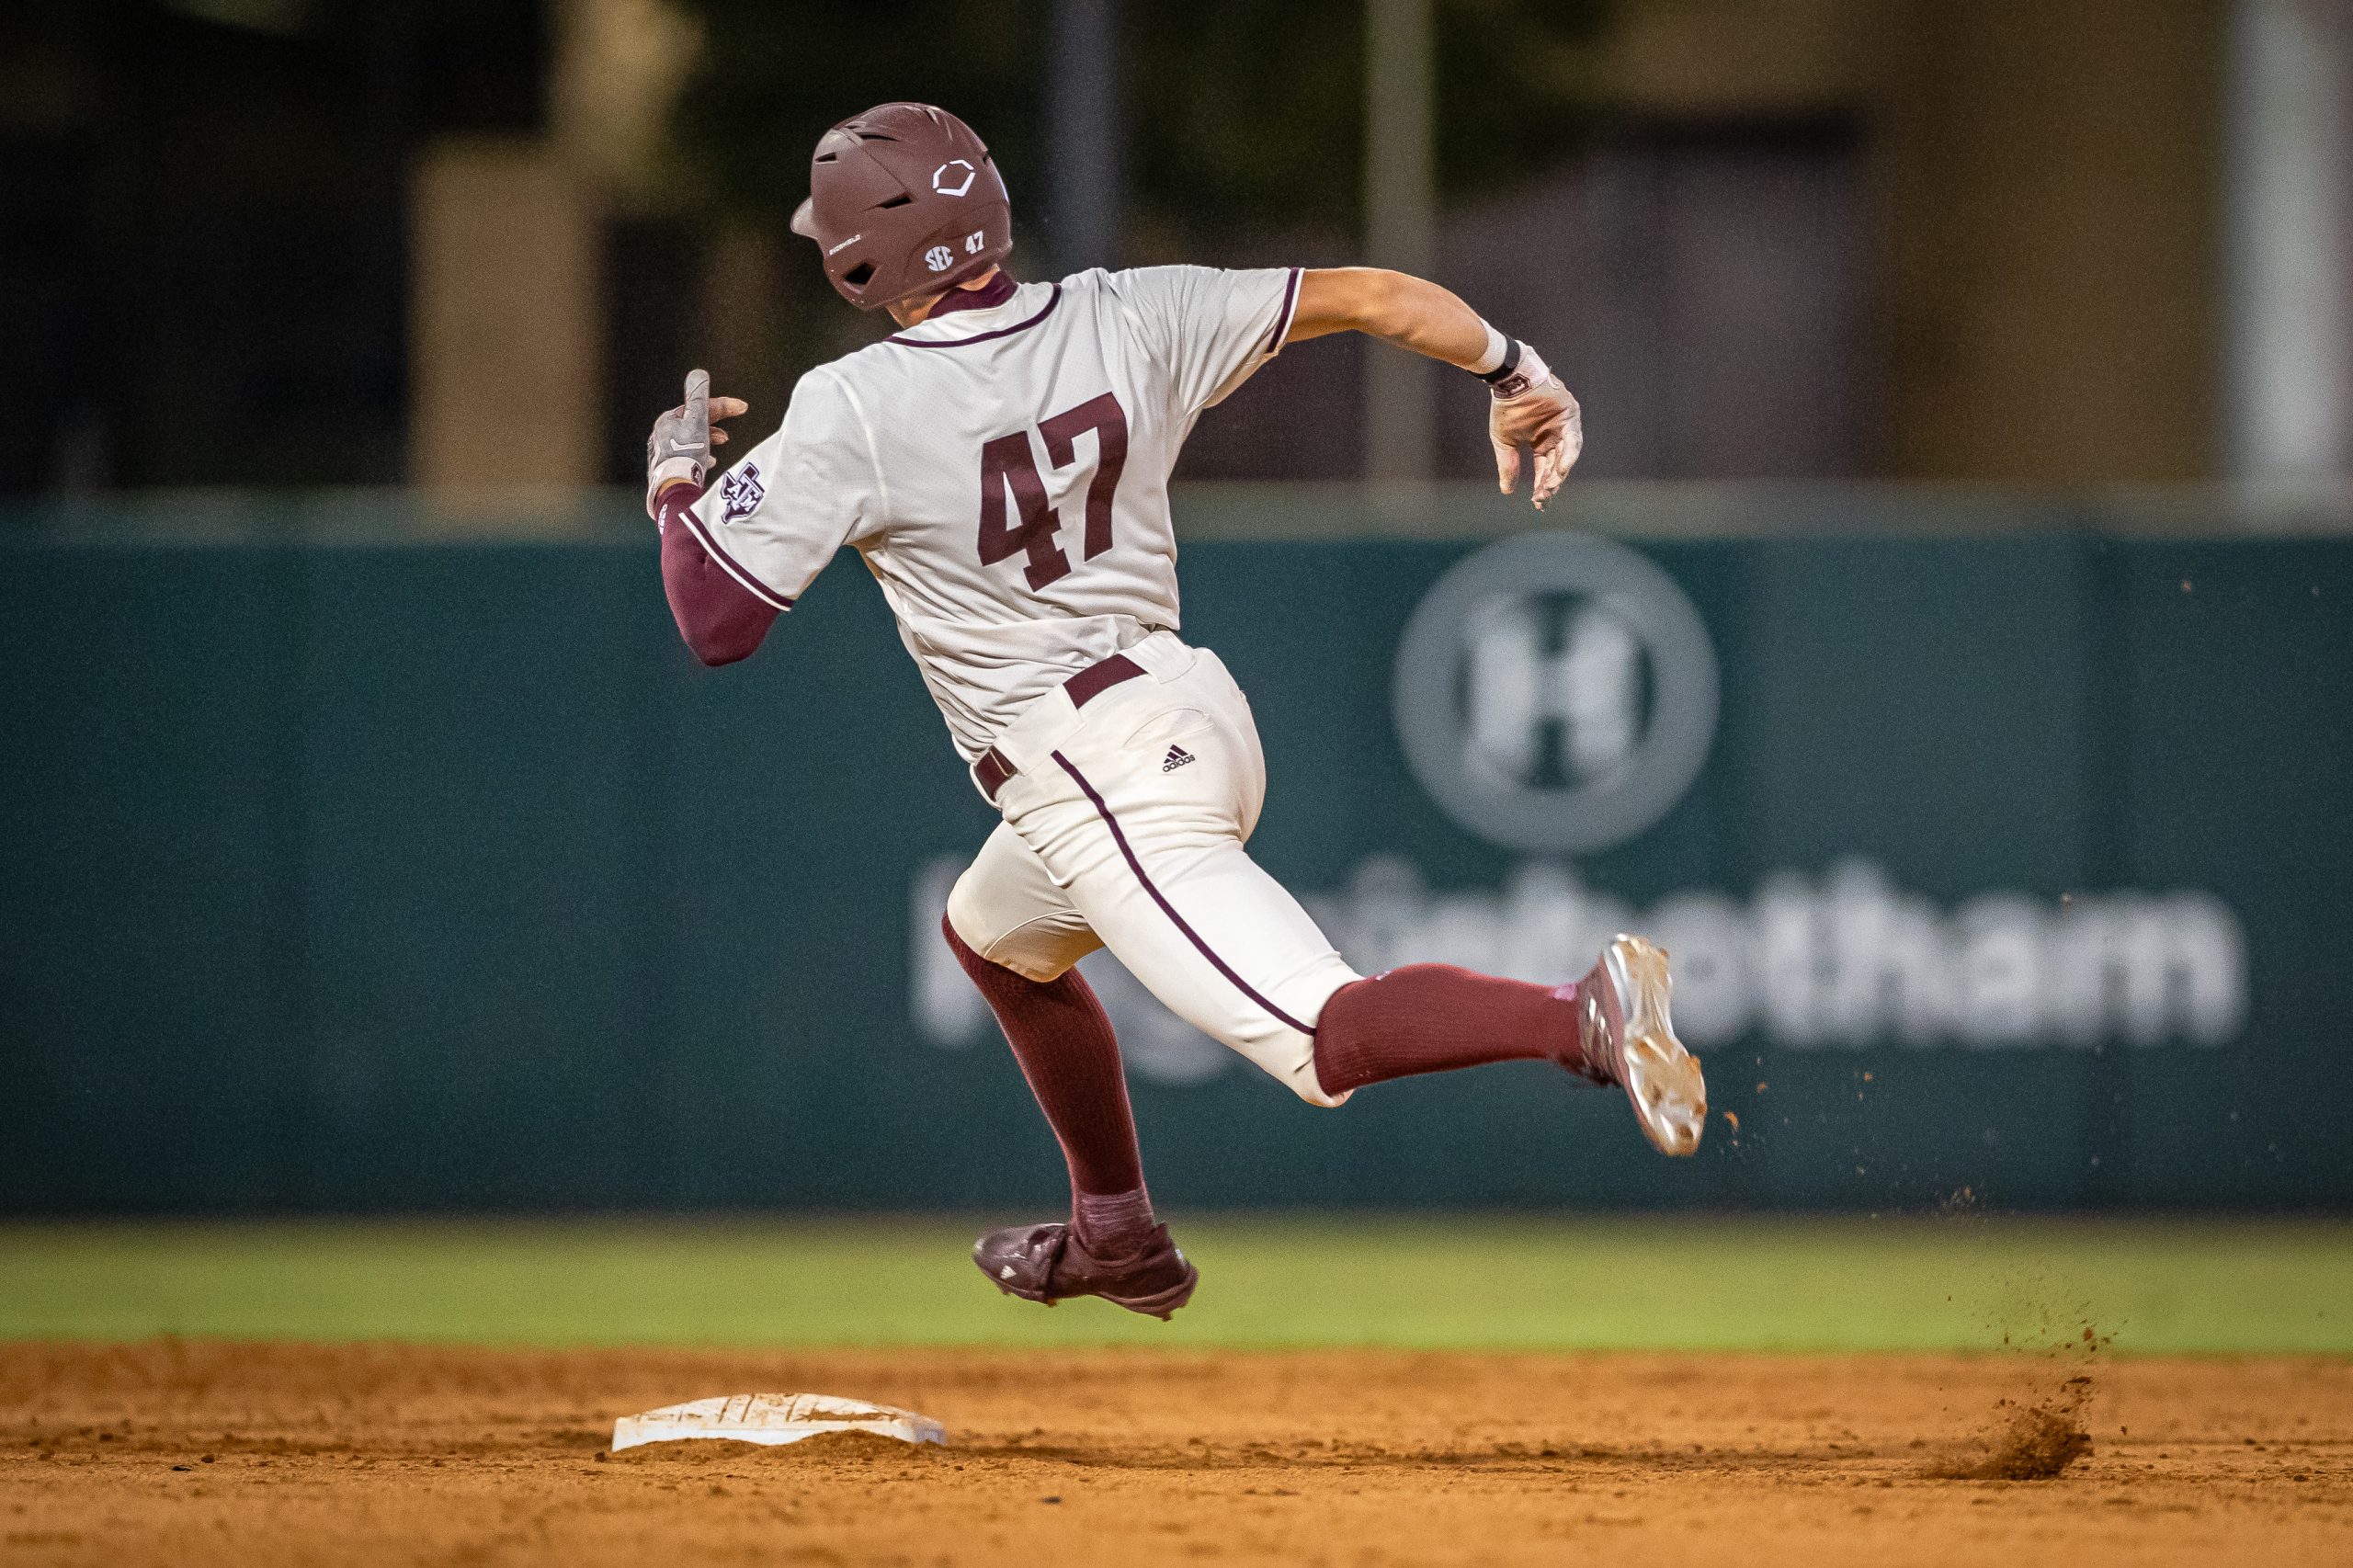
1556 693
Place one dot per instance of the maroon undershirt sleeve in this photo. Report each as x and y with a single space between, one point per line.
718 616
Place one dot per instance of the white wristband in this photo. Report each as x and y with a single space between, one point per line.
1497 347
1527 374
669 470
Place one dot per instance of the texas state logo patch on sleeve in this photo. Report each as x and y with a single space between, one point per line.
740 493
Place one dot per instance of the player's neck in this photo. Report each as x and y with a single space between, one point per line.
990 288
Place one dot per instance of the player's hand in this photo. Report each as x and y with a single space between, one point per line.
679 449
1542 415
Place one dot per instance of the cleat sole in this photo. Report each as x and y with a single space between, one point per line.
1162 1304
1662 1079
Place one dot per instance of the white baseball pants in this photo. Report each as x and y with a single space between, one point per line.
1124 826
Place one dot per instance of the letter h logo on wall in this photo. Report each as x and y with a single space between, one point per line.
1573 710
1556 693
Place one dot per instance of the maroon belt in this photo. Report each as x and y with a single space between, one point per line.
993 769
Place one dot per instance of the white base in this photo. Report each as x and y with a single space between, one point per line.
773 1418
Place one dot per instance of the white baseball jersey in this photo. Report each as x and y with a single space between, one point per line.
1004 472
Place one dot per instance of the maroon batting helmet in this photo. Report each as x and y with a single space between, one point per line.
903 201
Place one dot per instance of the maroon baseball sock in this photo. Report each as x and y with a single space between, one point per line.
1433 1018
1062 1038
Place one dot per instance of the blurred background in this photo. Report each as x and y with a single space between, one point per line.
1943 645
468 243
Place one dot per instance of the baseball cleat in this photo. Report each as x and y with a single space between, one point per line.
1050 1264
1627 1039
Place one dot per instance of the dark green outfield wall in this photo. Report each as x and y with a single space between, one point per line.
351 877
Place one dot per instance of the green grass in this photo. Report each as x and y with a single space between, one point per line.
1420 1282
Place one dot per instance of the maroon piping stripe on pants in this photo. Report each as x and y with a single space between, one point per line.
1169 909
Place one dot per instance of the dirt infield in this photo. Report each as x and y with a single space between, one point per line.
196 1454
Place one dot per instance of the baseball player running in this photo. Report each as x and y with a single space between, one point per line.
1001 463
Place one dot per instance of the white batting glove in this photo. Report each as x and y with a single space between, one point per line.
680 447
1534 410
